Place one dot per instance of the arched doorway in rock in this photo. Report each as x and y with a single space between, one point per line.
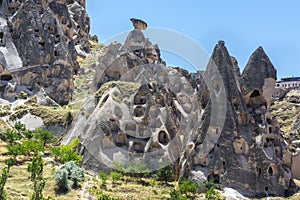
163 137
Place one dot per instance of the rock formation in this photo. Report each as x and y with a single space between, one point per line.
39 39
249 152
295 132
217 127
138 24
141 110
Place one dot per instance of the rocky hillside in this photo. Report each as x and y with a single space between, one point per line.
220 129
127 106
286 110
40 41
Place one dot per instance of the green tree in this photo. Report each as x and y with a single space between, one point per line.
3 179
15 150
61 180
11 136
66 153
187 185
212 193
165 172
75 173
28 134
66 172
25 148
44 135
10 162
36 169
20 127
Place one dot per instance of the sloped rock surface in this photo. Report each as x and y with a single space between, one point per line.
38 40
142 110
248 152
217 127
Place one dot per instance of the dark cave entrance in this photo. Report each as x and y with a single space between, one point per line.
215 178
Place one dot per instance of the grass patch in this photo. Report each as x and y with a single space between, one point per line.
126 89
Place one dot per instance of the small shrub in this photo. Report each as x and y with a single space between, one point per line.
103 177
69 171
66 153
61 180
176 195
187 185
11 136
75 173
44 136
115 176
165 172
212 194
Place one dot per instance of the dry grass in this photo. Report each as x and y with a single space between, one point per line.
286 114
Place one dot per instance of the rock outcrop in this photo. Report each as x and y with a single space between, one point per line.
295 132
248 153
141 110
38 42
218 127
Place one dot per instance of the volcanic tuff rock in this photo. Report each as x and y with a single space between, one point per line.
248 152
39 39
142 110
218 126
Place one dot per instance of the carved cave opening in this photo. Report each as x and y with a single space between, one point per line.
6 77
139 111
215 178
270 171
269 121
140 99
266 189
255 93
138 147
56 53
163 137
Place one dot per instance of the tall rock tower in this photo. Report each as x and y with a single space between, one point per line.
248 153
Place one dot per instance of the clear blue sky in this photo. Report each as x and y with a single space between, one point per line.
243 25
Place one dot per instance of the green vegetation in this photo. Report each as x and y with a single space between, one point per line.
68 171
165 172
126 89
115 176
3 179
44 136
36 169
61 180
66 153
211 192
103 177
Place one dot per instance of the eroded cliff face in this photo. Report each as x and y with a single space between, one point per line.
249 153
39 43
216 128
142 110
